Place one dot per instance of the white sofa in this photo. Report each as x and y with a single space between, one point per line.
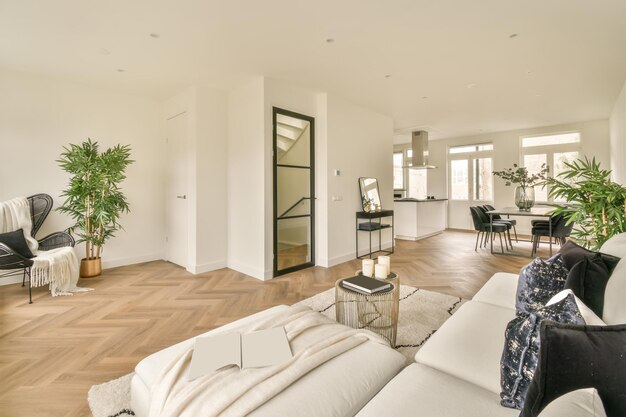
455 374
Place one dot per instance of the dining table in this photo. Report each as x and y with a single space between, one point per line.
538 211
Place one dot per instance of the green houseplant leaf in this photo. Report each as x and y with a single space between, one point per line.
594 203
93 198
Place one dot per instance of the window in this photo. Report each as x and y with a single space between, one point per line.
559 139
551 150
483 179
471 168
413 181
471 148
398 172
459 179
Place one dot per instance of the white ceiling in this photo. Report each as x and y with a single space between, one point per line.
567 63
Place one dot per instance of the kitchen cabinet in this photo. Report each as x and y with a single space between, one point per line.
419 219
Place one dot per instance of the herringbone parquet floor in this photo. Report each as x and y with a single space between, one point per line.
52 351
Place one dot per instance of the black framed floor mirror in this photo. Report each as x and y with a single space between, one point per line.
293 155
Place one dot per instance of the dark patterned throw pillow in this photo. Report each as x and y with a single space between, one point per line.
521 347
538 282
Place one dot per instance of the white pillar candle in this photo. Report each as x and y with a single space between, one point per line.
385 260
367 267
380 271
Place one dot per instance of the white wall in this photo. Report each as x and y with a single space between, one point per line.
206 174
38 116
360 144
594 143
618 138
246 185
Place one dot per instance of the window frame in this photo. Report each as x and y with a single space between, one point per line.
405 148
470 157
549 151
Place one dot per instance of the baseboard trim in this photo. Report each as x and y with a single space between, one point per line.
208 267
351 255
114 263
11 279
248 270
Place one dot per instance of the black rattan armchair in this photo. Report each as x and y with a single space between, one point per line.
40 206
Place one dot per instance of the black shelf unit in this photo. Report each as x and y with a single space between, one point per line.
379 227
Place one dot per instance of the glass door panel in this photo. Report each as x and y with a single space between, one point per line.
294 211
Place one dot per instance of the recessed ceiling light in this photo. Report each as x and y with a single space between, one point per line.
472 85
330 40
154 35
121 70
513 35
424 97
387 75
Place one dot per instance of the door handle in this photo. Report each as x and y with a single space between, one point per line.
184 197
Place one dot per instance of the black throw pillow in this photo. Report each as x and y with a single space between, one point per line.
573 357
538 282
588 278
16 241
572 253
521 348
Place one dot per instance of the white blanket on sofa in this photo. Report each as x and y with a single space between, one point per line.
56 267
230 391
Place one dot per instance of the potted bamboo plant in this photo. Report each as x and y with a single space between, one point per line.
595 204
93 198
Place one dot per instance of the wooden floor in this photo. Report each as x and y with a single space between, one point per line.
52 351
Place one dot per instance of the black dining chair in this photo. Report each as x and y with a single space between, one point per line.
500 220
513 222
482 226
560 231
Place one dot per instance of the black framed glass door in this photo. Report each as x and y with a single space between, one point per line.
294 191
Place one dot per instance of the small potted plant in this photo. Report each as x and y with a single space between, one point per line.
93 198
525 184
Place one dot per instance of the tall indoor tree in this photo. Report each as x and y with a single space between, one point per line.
93 198
594 203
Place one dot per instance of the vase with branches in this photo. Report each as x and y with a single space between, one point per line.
525 183
93 198
594 203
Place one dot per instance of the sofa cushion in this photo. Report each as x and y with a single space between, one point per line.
589 277
521 348
344 383
614 309
539 281
469 344
423 391
499 290
579 403
615 246
573 357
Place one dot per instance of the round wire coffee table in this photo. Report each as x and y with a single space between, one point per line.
376 312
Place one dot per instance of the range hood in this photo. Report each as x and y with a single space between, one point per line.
419 158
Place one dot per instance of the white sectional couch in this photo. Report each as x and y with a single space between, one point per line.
455 374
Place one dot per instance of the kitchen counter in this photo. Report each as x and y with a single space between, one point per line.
418 200
415 221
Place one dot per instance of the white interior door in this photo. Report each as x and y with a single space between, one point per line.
176 194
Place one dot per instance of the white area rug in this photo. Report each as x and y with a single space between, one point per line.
421 314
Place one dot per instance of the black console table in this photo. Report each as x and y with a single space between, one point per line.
370 227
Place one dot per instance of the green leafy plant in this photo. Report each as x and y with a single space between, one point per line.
93 198
520 176
595 203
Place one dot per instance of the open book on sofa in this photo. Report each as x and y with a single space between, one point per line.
251 350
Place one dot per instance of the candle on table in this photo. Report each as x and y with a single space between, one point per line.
385 260
367 267
380 271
